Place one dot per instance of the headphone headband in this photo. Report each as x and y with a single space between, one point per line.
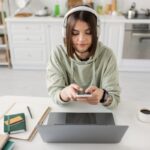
80 8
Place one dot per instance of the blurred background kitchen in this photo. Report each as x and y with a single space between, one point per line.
125 28
102 6
30 29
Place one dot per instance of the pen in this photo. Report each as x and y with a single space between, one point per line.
8 124
29 110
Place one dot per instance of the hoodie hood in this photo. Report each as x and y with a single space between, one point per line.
84 72
92 58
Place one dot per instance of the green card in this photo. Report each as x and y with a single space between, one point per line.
9 145
14 123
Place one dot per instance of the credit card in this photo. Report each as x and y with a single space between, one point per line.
14 120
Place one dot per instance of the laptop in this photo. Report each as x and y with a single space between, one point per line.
81 128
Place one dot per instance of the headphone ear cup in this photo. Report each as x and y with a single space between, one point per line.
64 32
98 27
98 31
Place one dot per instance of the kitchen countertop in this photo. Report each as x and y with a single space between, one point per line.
103 18
121 18
35 19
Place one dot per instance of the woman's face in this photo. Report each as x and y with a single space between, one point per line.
81 37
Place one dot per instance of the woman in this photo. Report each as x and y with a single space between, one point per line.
83 63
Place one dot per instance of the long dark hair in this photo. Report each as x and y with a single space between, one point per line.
91 20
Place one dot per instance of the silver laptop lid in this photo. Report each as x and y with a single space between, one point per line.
82 133
59 118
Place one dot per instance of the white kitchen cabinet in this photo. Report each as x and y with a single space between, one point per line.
31 40
54 34
28 44
112 36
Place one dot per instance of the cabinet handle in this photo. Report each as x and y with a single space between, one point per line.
141 34
144 38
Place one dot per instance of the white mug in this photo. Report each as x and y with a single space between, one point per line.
144 115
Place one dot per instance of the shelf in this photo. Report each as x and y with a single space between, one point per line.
4 63
3 46
2 30
3 57
2 27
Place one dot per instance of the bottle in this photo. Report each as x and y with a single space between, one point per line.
56 10
113 6
107 7
98 6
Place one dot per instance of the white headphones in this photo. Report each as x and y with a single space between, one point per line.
76 9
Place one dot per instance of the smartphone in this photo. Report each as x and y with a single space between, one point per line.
81 94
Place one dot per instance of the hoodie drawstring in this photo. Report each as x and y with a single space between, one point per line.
93 78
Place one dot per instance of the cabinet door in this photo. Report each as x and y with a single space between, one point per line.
55 34
28 47
113 37
27 55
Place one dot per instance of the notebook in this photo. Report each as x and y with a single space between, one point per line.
3 139
14 123
39 112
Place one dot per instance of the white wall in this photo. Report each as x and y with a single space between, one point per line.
123 5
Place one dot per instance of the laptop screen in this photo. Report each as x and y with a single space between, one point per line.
80 118
59 118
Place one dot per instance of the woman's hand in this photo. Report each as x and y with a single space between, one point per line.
96 93
69 93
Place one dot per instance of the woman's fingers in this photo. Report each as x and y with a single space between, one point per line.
90 89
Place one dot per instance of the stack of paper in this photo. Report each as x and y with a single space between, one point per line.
3 140
39 112
5 107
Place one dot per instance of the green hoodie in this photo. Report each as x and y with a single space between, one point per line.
99 70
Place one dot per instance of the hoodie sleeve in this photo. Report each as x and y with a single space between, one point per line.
110 80
55 77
